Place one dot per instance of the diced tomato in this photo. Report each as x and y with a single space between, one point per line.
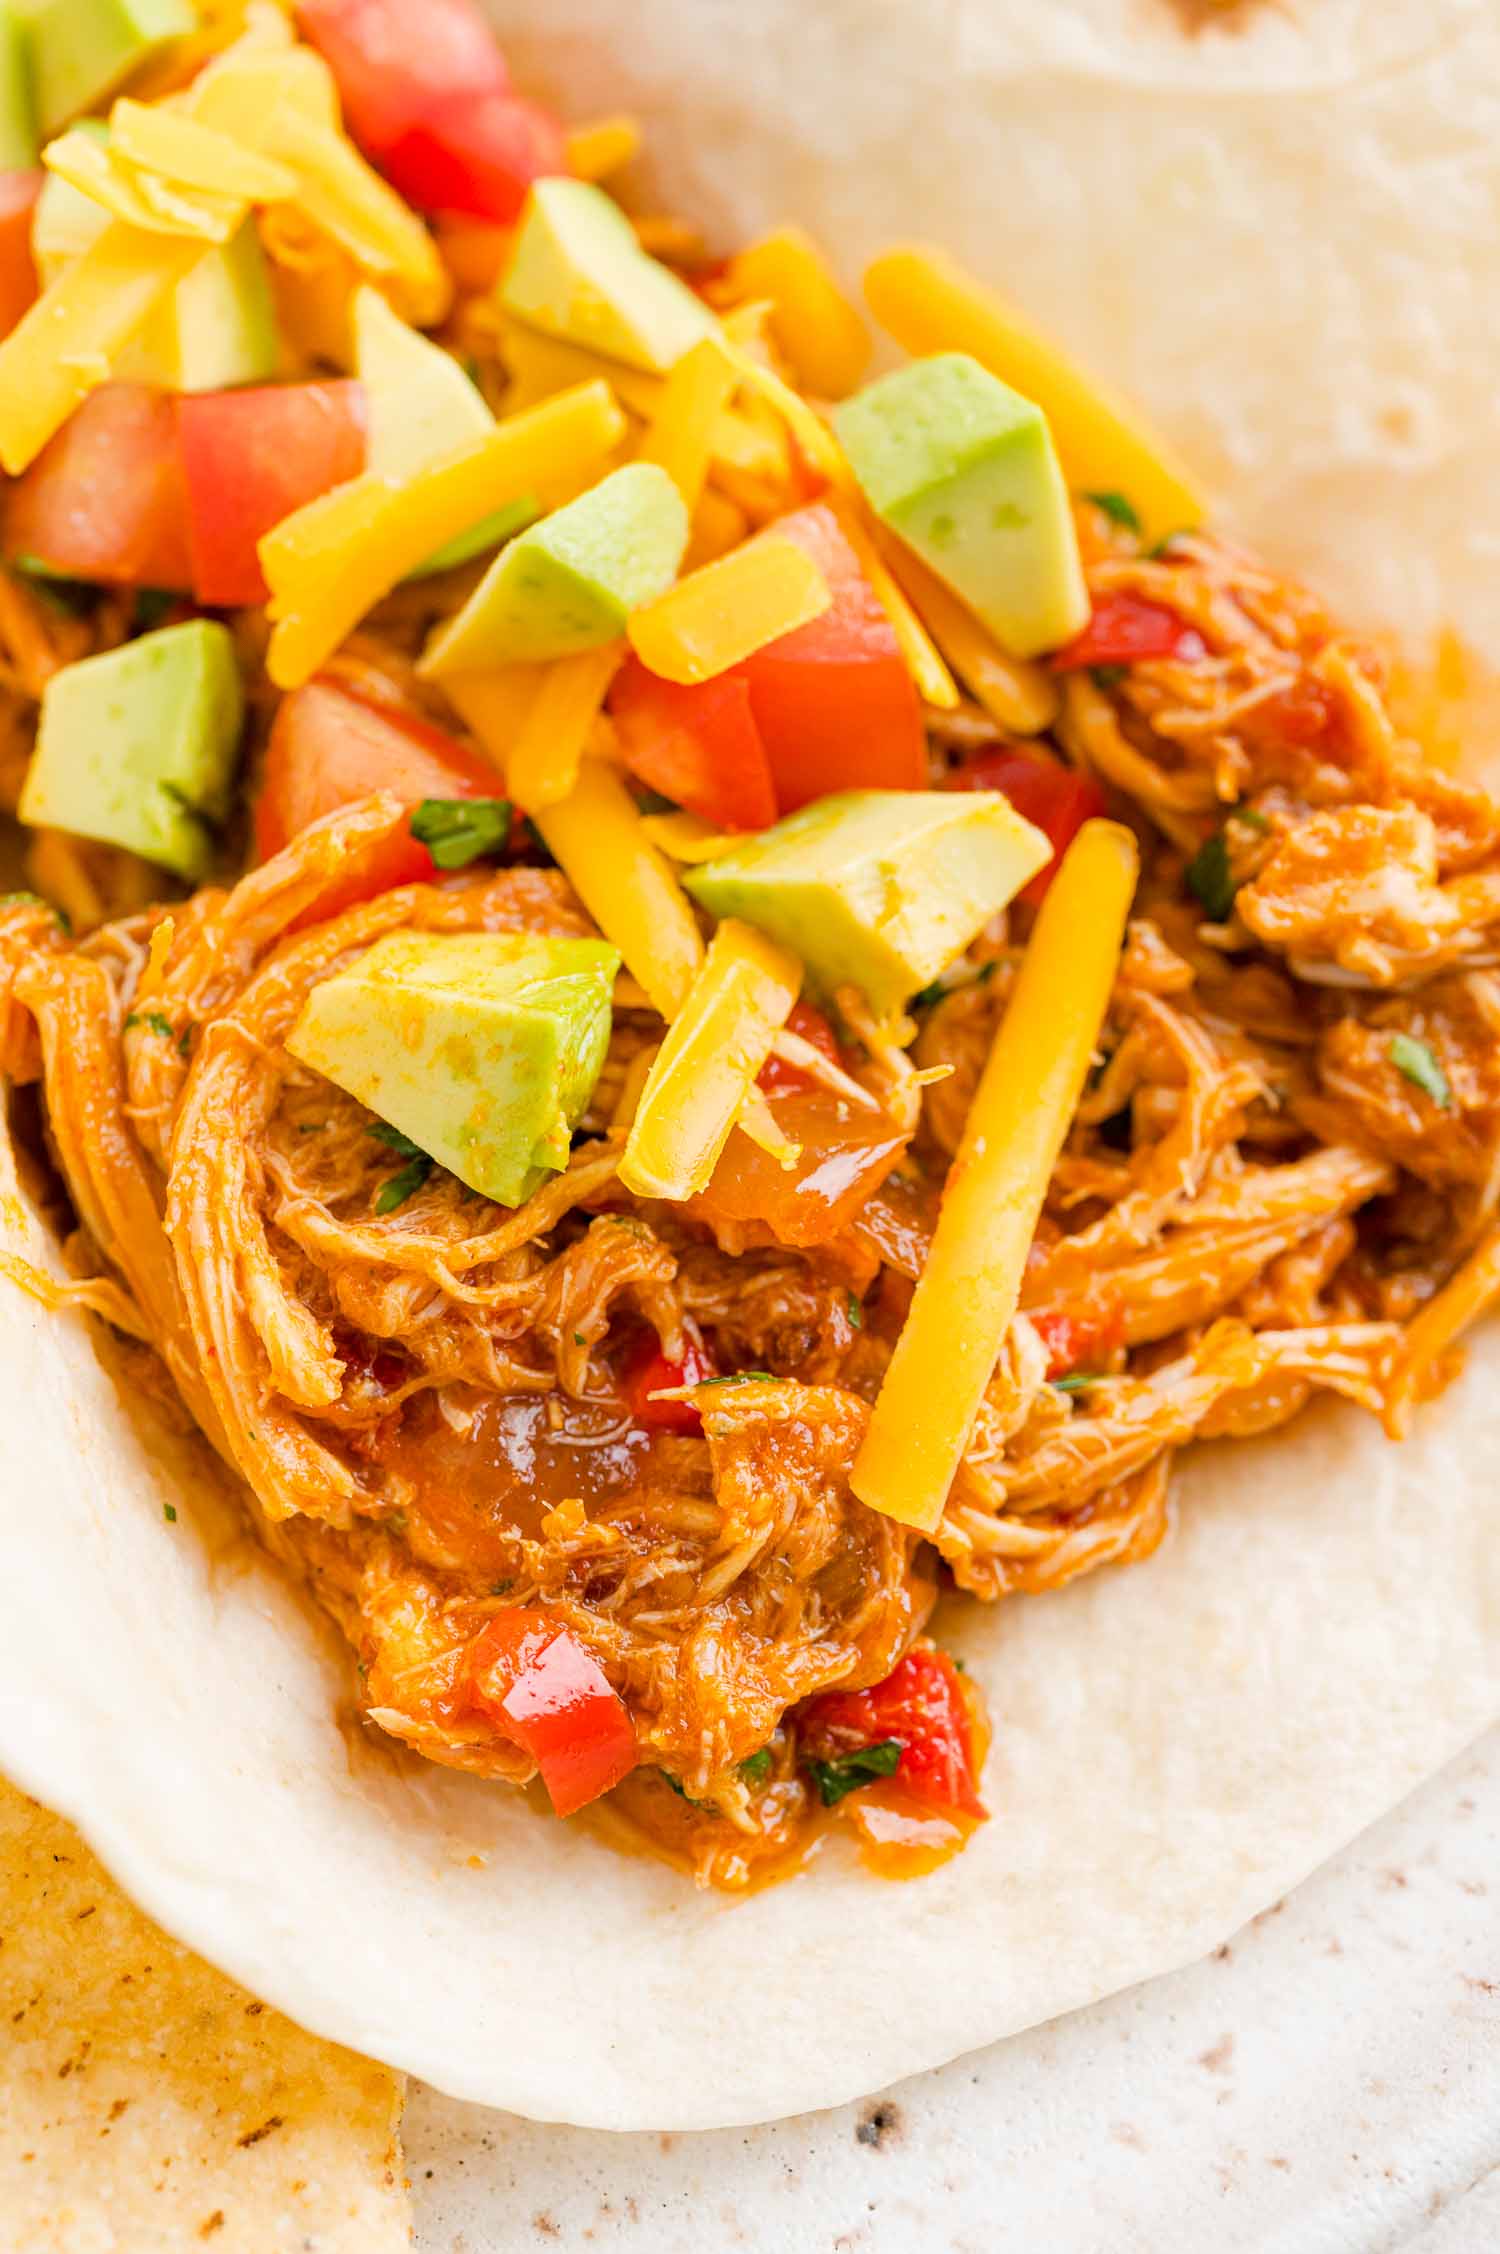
1125 628
18 275
1296 718
544 1690
1081 1337
1056 798
847 1151
104 500
831 705
330 746
922 1703
427 95
649 1371
699 746
250 458
809 1024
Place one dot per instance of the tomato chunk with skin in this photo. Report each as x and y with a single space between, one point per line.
426 94
1057 799
328 747
105 499
777 1076
18 275
698 746
921 1703
1078 1338
649 1371
1125 628
250 458
544 1690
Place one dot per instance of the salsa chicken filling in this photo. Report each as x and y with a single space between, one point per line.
686 1001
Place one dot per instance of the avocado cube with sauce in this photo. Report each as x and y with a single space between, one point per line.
963 470
482 1047
878 889
137 746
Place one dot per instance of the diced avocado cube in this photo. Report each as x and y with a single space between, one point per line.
963 469
217 329
578 272
66 221
878 889
81 50
17 111
482 1047
571 581
136 746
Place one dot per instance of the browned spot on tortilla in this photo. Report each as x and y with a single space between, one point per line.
253 2136
1225 15
880 2125
1218 2059
544 2224
211 2223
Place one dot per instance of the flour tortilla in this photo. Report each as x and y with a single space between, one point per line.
1243 231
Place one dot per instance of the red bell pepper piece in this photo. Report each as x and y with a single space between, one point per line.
250 458
330 746
427 96
777 1077
649 1371
699 746
18 275
1056 798
921 1703
544 1690
1078 1338
105 500
1125 628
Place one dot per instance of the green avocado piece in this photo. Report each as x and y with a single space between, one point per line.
578 272
136 746
878 889
66 221
18 136
963 469
82 49
482 1047
570 582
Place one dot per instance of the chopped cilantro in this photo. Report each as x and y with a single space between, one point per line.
312 1126
742 1377
151 607
501 1588
1107 676
1209 878
457 831
152 1018
678 1787
1418 1062
834 1778
924 999
855 1311
54 587
409 1180
184 1040
23 899
1117 509
579 1339
1076 1381
392 1137
1250 818
1165 544
756 1767
169 1513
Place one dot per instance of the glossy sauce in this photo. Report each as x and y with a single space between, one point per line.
847 1151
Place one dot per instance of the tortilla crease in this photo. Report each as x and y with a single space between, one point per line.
145 2101
1176 1744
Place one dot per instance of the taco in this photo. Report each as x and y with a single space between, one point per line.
699 1023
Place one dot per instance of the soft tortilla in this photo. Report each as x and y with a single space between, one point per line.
1176 1744
147 2101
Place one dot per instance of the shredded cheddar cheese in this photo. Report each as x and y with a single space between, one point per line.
1021 696
727 611
691 401
140 199
935 684
561 722
607 146
708 1063
176 147
820 335
1024 1105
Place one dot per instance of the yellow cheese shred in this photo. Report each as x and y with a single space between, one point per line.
63 346
330 562
708 1063
819 334
561 720
930 304
158 207
935 684
605 147
691 402
1024 1105
1022 697
724 613
178 148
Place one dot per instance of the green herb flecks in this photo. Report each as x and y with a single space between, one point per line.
1107 676
70 596
1417 1061
401 1186
855 1311
1076 1381
151 607
457 831
1210 879
756 1767
1117 509
153 1020
169 1513
743 1377
834 1778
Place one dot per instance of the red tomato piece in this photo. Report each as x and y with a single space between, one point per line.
104 500
18 275
650 1371
699 746
1056 798
427 95
328 747
1080 1337
1125 628
847 1151
250 458
922 1703
777 1077
544 1690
